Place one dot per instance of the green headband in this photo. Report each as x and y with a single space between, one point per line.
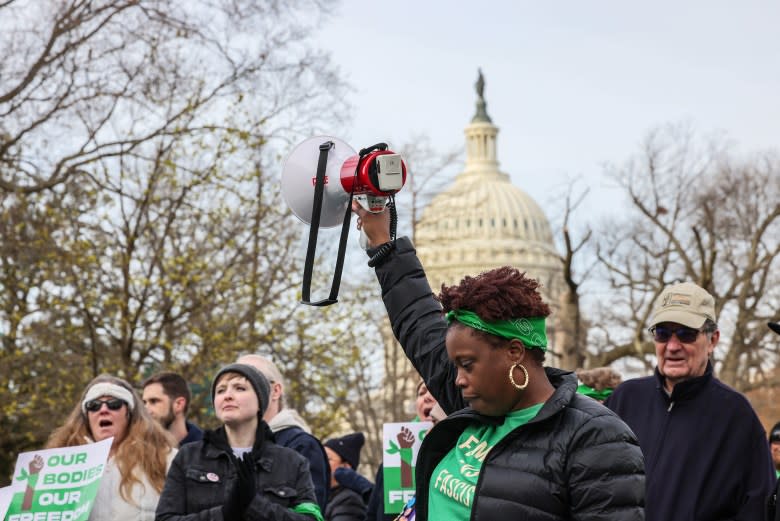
531 331
593 393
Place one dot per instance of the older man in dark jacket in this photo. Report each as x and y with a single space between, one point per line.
706 454
773 513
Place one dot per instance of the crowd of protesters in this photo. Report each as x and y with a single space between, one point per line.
513 438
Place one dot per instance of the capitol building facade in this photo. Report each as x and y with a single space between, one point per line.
483 221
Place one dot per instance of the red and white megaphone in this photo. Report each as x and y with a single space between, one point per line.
370 177
320 178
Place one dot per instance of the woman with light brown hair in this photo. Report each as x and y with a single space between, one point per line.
140 454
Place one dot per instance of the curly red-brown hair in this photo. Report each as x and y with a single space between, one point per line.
499 294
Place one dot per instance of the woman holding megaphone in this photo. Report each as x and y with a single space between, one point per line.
519 442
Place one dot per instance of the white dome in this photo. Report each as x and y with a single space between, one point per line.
483 221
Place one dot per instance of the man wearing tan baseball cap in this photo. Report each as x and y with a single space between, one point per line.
706 455
687 312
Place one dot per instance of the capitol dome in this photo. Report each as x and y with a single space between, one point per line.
483 221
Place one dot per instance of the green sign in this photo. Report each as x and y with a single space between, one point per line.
401 443
55 484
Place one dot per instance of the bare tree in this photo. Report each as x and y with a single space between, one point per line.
138 145
83 81
428 172
34 375
570 325
364 410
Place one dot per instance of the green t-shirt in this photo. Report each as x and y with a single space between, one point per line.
454 480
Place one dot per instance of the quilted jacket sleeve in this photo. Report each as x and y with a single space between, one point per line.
417 322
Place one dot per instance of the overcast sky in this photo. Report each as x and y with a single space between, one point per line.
570 84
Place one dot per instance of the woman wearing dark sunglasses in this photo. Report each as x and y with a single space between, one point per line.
140 455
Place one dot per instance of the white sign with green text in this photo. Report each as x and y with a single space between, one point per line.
400 445
56 484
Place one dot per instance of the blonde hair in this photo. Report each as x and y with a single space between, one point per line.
143 450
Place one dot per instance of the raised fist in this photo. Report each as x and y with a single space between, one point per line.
405 438
36 465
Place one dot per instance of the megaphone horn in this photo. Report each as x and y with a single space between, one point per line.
299 176
323 198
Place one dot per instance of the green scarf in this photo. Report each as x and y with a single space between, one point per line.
593 393
531 331
309 509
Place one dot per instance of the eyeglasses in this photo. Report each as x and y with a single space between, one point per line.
114 404
686 335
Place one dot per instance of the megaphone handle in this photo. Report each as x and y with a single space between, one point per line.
384 250
319 188
334 288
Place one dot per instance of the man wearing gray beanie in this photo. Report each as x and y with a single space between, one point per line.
238 467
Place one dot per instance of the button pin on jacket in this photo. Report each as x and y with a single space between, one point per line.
212 477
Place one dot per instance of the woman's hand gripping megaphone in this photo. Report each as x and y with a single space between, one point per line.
375 226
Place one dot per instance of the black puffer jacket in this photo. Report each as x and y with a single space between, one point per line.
202 477
576 460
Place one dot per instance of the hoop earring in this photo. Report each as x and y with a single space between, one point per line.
512 378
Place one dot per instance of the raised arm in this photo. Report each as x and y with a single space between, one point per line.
415 315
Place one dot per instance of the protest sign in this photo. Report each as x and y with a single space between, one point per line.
5 499
400 445
57 484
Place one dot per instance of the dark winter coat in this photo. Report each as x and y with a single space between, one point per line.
310 448
194 433
202 477
575 460
773 512
705 450
345 505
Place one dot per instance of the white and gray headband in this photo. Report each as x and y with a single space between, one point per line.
108 389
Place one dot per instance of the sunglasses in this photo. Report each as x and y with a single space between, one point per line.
114 404
686 335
